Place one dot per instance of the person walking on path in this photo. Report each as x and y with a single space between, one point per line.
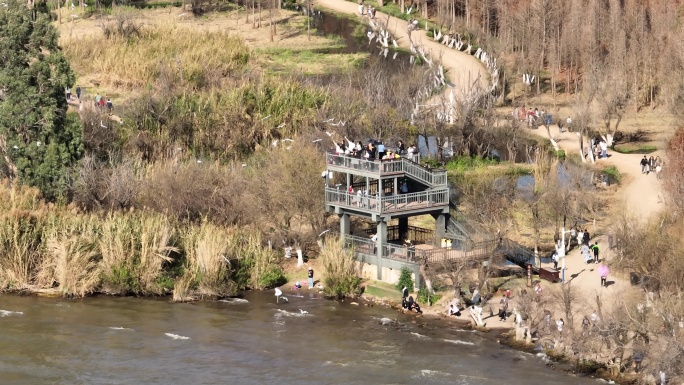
586 237
595 248
67 91
555 258
503 308
644 165
603 272
311 276
586 253
109 105
98 98
78 92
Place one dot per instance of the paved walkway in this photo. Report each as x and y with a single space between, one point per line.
461 69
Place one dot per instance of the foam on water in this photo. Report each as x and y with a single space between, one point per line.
432 373
176 336
234 301
459 342
286 313
120 328
326 363
419 335
7 313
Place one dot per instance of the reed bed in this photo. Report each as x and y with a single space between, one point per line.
125 252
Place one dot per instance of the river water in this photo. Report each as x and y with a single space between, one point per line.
249 341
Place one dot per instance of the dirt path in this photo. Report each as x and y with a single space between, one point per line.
461 69
640 194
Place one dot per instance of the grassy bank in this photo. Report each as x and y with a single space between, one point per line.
44 246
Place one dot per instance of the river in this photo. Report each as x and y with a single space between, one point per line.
253 340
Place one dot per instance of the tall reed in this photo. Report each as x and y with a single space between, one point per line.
23 215
72 258
340 272
206 264
135 246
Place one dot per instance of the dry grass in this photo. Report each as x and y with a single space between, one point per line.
341 276
72 257
134 248
205 248
138 61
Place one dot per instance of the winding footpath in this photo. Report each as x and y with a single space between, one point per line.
462 70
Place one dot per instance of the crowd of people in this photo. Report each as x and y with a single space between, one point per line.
649 165
100 102
373 150
533 116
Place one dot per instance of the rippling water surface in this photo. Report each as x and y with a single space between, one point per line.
252 341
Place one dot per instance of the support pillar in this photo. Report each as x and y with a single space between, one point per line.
403 229
345 227
382 238
440 226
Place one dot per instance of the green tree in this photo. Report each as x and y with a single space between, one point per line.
39 142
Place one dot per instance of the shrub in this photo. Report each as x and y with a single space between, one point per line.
272 277
405 279
427 297
339 269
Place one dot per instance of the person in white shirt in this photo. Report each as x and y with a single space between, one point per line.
568 123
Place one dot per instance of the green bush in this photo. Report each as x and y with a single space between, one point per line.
425 296
272 277
405 279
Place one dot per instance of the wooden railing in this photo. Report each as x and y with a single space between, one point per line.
389 250
388 204
417 235
406 165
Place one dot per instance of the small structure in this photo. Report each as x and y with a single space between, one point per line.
388 193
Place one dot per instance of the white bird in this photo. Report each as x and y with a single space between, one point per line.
15 147
437 35
303 311
38 143
102 125
199 161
